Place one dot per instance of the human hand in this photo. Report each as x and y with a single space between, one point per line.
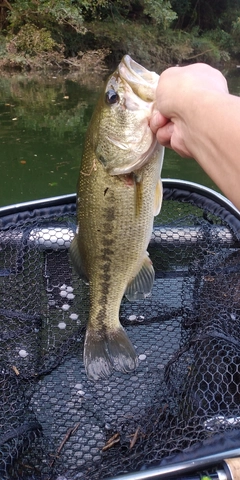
179 91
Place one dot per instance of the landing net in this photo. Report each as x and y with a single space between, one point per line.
185 394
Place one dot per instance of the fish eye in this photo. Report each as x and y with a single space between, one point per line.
111 97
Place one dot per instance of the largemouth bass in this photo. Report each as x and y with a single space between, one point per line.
119 192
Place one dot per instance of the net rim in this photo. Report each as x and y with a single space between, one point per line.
168 183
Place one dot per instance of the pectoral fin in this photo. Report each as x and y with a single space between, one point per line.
141 285
158 198
76 259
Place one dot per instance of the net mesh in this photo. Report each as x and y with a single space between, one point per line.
55 423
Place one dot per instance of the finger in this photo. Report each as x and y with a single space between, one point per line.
157 121
164 134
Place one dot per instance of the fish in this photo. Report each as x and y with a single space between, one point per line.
119 192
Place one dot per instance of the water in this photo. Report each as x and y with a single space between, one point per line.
43 121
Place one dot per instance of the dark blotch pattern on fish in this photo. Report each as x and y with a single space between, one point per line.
105 255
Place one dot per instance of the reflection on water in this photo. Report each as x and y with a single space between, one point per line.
43 122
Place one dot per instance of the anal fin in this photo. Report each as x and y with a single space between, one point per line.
140 287
76 259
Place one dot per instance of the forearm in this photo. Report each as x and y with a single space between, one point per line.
211 131
197 117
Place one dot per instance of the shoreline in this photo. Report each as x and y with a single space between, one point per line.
99 61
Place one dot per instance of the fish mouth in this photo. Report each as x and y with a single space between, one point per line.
142 81
136 143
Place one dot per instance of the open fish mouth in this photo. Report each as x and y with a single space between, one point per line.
142 81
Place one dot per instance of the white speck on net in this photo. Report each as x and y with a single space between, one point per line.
73 316
51 302
142 356
63 287
81 393
23 353
65 307
69 289
78 386
62 325
132 317
70 296
63 293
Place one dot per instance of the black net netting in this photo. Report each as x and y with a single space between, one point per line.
55 423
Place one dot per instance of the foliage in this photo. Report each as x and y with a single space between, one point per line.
43 13
32 40
223 40
160 12
236 35
126 37
2 45
167 30
214 25
103 9
48 22
206 50
202 13
153 47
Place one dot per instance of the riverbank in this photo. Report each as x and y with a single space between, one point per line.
55 61
100 46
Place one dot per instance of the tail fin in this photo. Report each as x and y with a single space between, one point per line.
104 352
